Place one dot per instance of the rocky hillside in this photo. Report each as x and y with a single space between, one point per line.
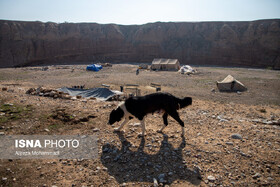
254 44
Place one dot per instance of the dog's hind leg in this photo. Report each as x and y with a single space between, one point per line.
123 123
175 115
165 115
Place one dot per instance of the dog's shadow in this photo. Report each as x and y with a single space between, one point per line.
165 166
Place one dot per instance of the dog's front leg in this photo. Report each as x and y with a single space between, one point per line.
143 126
123 123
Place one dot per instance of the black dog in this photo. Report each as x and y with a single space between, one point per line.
140 106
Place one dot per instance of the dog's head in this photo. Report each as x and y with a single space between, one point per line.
115 115
186 102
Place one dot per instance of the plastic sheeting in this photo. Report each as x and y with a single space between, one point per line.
186 69
94 67
100 93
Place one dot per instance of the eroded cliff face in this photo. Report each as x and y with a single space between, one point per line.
251 44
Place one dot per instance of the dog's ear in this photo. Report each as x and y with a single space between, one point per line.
189 99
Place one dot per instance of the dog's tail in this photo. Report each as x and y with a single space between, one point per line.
185 102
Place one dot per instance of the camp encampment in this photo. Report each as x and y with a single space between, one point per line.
165 64
94 67
230 84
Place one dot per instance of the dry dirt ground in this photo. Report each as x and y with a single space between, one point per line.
230 138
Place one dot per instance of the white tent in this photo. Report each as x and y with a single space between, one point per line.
230 84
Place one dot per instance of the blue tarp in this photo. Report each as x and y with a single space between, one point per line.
94 67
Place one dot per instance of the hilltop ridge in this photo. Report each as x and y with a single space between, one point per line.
242 44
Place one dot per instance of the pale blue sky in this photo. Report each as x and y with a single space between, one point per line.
138 11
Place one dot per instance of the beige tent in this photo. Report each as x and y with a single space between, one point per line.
230 84
165 64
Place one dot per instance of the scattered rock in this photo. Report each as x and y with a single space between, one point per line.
73 98
2 133
85 119
47 92
270 179
95 130
244 154
45 68
229 143
105 150
66 96
221 118
161 178
256 176
31 91
8 104
236 136
136 124
155 182
211 178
